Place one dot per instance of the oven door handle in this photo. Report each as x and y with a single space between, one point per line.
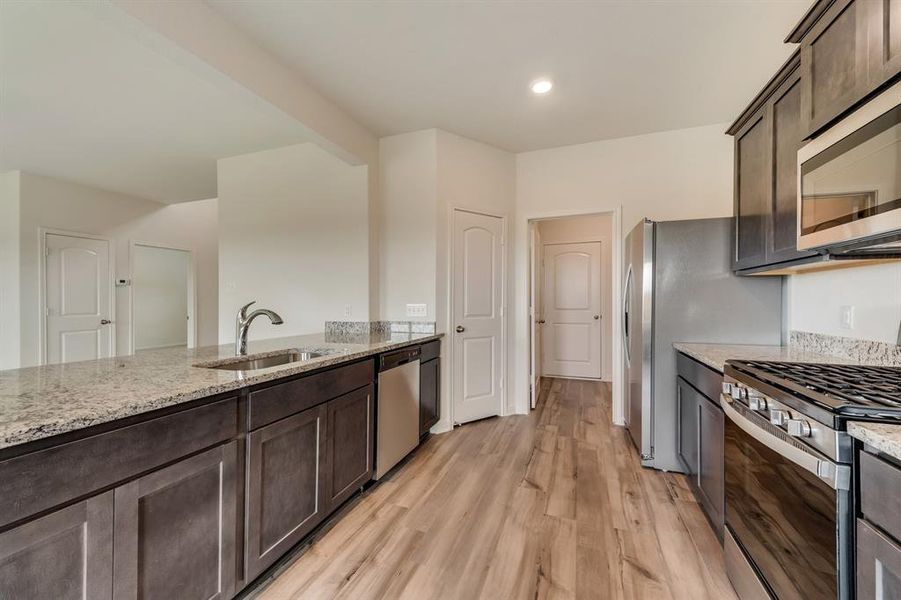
837 476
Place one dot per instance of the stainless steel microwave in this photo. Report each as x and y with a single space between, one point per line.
849 182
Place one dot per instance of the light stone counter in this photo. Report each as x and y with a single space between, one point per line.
716 355
885 437
40 402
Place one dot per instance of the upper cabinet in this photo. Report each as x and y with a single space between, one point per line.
767 138
848 51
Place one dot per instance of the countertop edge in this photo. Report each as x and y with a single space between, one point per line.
884 437
48 429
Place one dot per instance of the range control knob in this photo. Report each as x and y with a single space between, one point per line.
727 388
798 428
779 417
757 403
739 392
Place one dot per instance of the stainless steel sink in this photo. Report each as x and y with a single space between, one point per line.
253 364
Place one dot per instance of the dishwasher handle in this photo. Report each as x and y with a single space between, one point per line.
398 357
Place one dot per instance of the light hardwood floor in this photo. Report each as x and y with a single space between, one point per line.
550 505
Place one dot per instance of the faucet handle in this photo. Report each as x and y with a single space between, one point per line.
243 312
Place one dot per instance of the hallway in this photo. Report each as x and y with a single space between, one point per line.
550 505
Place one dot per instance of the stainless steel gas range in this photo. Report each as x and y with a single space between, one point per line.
789 500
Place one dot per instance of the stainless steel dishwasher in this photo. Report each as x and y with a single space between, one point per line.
397 410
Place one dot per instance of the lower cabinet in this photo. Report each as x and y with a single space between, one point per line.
429 394
285 466
67 554
878 564
687 439
711 461
174 530
700 435
349 445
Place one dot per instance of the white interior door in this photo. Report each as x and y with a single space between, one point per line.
572 310
536 281
478 275
78 299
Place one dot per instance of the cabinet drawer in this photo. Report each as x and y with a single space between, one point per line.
430 350
703 378
269 404
880 493
35 482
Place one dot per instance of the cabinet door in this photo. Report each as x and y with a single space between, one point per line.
66 554
175 530
286 463
752 191
429 395
349 442
786 121
687 399
884 38
878 564
711 473
834 56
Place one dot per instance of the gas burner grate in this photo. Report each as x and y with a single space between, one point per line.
852 385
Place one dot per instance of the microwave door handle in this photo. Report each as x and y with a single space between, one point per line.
837 476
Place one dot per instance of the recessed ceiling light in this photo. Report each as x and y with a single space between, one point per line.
541 86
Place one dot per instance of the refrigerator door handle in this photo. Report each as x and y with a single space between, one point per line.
627 306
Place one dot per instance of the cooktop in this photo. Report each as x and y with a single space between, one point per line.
859 390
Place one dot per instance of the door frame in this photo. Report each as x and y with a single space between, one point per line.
454 209
522 316
539 289
43 232
192 290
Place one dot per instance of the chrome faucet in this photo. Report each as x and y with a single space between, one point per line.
242 325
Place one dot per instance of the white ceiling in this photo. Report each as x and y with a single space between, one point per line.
89 98
620 67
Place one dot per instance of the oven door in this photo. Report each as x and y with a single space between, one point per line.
787 508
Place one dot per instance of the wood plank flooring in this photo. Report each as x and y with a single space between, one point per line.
550 505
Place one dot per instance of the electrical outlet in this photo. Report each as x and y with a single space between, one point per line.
847 317
348 310
417 310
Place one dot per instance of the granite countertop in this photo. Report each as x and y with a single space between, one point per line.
716 355
40 402
885 437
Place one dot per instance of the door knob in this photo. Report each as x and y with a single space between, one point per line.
105 321
460 329
541 321
596 317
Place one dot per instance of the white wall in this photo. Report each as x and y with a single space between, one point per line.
815 301
160 297
408 227
9 270
593 228
294 236
681 174
50 203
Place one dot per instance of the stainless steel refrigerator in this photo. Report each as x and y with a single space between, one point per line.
679 287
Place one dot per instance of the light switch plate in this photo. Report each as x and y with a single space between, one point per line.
847 317
417 310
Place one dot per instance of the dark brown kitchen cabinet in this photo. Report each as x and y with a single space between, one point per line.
174 530
878 526
349 444
66 554
687 437
700 435
285 466
767 138
878 564
849 50
429 394
711 464
752 185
